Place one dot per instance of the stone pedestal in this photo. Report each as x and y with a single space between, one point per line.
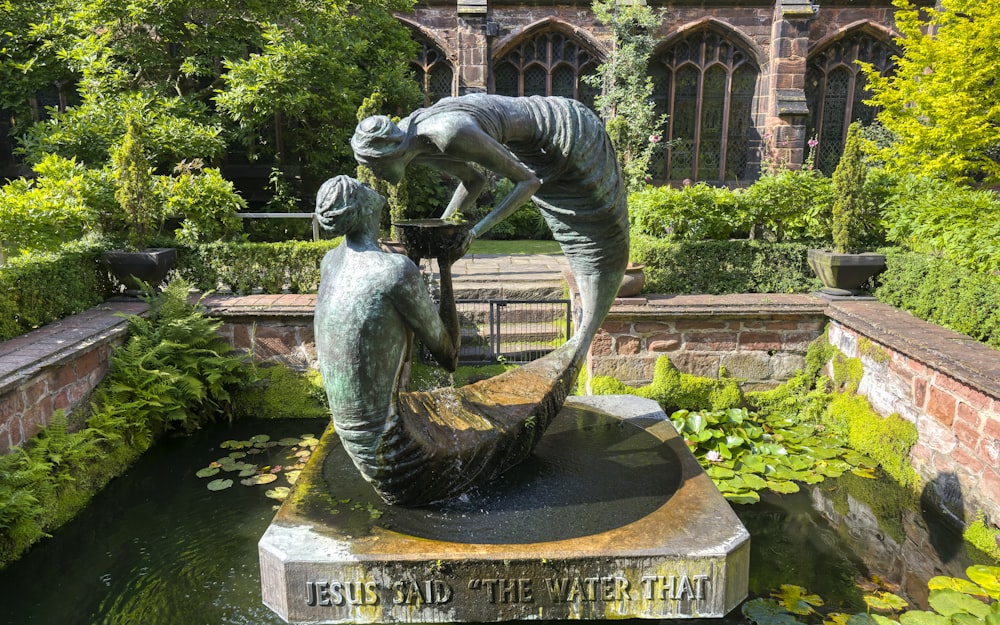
611 518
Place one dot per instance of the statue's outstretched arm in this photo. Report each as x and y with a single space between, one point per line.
469 144
439 332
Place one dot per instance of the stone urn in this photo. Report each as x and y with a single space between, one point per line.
844 274
633 280
133 269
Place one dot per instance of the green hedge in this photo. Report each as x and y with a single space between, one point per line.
45 287
942 292
717 267
254 267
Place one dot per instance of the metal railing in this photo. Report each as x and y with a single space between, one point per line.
512 331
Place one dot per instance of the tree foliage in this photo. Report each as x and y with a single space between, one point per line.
205 75
943 101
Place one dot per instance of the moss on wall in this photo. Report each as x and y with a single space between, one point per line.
283 393
984 538
675 390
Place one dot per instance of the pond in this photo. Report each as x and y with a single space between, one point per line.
157 547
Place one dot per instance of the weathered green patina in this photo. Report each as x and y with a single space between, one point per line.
419 448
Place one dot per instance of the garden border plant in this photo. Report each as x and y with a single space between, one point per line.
173 374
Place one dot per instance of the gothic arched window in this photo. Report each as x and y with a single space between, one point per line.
835 91
705 84
434 73
549 63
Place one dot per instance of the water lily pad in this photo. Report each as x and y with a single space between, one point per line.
885 602
951 602
207 472
248 472
219 484
260 478
260 438
291 476
988 577
288 442
305 453
278 492
236 455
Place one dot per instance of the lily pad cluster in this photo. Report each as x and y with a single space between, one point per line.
953 601
745 452
240 466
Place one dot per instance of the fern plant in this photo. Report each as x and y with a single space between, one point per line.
174 372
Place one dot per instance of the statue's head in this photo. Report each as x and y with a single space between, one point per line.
380 144
343 203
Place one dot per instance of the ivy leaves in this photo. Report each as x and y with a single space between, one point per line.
744 452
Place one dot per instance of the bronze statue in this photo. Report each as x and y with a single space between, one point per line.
555 151
421 447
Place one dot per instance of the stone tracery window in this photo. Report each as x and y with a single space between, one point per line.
835 91
434 73
549 63
705 84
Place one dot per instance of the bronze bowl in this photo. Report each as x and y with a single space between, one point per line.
432 238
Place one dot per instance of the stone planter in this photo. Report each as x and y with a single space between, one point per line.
133 269
844 274
633 281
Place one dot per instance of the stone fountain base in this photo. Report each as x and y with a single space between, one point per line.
611 518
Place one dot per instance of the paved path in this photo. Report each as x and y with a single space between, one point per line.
510 276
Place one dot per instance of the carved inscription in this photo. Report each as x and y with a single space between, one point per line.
341 593
570 589
678 588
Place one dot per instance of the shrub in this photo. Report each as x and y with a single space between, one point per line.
938 217
942 292
61 204
249 267
687 214
42 288
715 267
789 205
206 201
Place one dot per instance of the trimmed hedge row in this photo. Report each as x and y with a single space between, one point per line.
942 292
717 267
247 267
46 287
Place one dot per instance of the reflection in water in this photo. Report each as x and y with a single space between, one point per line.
836 537
157 548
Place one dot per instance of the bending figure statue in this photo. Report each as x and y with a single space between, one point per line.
557 154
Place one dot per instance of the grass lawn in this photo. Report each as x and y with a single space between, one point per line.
487 246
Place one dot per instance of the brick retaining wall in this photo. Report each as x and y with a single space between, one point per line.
56 368
944 383
760 339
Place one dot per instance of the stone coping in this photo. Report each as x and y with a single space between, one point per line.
24 356
959 356
280 305
731 305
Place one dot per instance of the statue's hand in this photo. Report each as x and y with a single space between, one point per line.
456 251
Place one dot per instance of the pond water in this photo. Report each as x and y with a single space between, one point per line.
156 547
